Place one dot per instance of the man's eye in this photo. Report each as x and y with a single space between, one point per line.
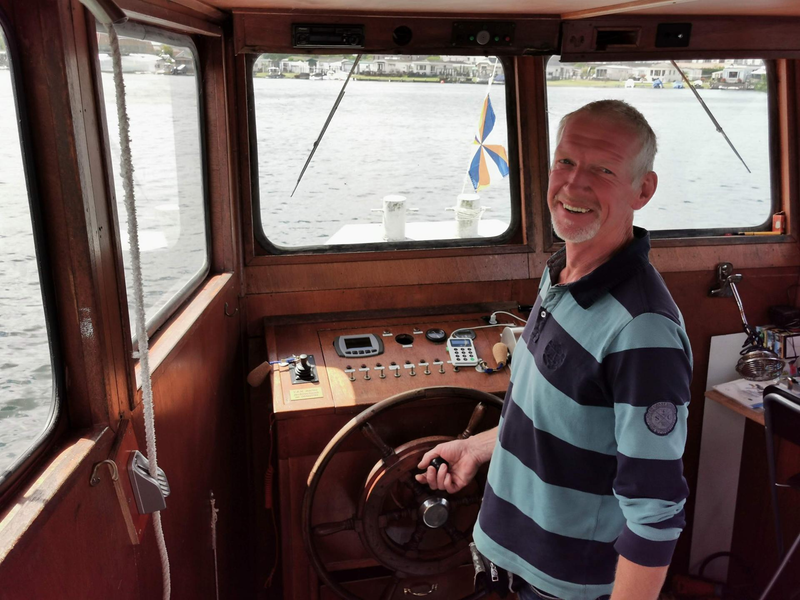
606 171
565 161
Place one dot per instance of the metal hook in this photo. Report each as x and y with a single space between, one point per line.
233 314
114 472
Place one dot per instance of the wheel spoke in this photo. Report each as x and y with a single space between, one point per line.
474 421
420 491
324 529
385 449
395 515
454 533
416 538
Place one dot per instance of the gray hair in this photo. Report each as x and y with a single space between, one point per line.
622 112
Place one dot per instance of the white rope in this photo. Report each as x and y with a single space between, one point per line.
467 214
126 168
214 518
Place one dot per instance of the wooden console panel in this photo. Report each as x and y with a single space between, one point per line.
304 427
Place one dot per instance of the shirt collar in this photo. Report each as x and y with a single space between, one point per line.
589 288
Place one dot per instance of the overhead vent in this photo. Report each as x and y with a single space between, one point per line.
613 39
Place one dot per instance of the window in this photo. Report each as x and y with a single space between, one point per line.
402 141
28 390
163 99
703 187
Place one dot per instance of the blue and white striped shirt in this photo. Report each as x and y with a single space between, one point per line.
587 464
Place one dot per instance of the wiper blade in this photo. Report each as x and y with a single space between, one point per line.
325 126
710 116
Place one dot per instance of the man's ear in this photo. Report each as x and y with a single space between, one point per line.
646 191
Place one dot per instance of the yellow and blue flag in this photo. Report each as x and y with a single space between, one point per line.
478 169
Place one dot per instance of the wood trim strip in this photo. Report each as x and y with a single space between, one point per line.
727 402
40 498
613 9
484 268
177 328
203 8
173 16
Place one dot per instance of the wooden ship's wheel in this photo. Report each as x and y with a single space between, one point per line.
406 527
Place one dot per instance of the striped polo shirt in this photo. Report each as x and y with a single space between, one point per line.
587 464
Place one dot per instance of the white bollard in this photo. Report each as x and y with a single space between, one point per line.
394 218
468 213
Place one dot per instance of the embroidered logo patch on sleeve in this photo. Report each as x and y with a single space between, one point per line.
661 417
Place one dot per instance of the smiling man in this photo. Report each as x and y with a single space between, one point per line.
585 491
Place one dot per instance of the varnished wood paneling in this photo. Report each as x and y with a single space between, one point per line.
200 420
172 15
718 36
77 546
271 31
380 274
409 298
221 172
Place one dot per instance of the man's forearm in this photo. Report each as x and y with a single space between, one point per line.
635 582
482 445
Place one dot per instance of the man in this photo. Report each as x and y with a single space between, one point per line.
585 489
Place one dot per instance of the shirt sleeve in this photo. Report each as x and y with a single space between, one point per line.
648 369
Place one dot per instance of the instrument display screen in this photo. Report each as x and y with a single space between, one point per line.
459 343
357 342
356 346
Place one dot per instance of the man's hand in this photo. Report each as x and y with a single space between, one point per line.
464 458
635 582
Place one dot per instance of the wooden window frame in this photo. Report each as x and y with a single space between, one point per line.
57 421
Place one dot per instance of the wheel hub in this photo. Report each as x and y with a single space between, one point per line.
434 512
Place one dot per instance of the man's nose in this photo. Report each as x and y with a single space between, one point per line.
578 178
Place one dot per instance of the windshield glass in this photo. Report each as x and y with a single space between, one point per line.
702 183
414 152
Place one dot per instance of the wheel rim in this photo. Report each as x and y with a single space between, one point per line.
361 423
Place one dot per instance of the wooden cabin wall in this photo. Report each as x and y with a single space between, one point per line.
60 537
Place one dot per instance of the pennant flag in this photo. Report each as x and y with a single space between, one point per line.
479 168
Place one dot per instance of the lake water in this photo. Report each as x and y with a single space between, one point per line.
412 139
415 139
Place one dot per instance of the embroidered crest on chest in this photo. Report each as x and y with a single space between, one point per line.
553 355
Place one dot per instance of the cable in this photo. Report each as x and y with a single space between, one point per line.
502 312
479 327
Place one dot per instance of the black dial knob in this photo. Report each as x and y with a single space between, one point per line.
437 336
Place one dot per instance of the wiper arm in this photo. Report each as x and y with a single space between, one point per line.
325 126
710 116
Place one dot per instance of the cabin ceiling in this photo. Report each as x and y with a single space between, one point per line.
535 7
